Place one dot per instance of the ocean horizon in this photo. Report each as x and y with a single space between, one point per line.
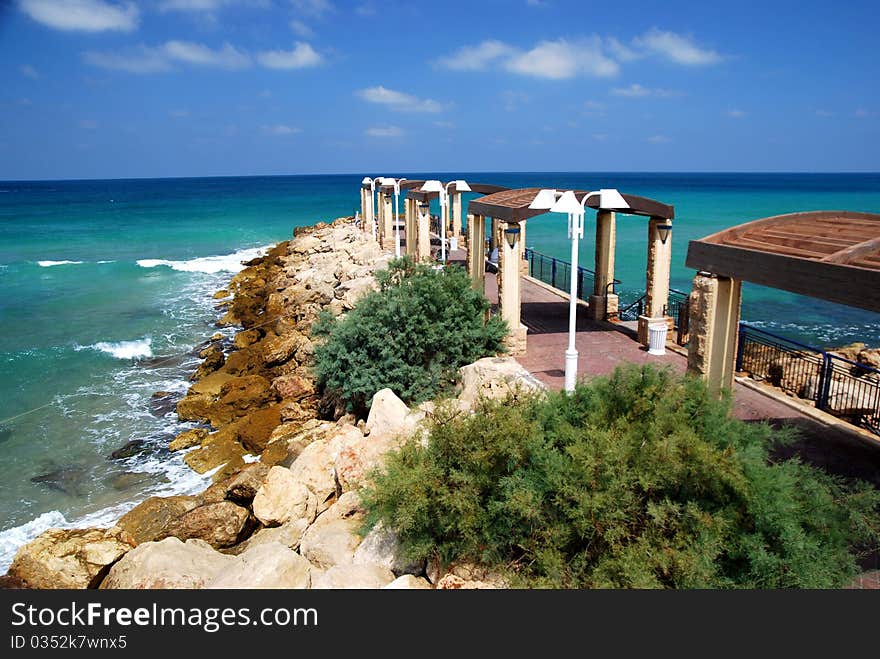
108 289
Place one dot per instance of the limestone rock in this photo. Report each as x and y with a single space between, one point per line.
409 582
314 468
333 538
496 377
293 387
220 524
214 453
381 546
70 558
354 289
254 430
270 565
169 563
288 534
279 349
355 577
283 498
357 456
247 338
388 414
150 519
469 576
240 488
188 439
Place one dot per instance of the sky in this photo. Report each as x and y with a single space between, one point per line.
165 88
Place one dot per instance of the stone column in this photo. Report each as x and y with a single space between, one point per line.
423 242
467 231
657 278
388 222
456 218
523 264
603 301
493 234
476 256
714 307
363 207
509 296
410 230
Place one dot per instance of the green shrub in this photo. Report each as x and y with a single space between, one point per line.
638 480
411 335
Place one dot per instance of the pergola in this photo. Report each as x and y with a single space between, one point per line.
509 210
385 210
831 255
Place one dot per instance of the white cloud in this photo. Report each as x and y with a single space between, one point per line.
636 90
384 131
622 52
302 56
659 139
161 58
676 48
227 57
191 5
315 8
476 58
736 113
84 15
300 29
281 129
561 59
29 72
399 101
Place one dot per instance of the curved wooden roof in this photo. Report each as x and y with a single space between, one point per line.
513 205
832 255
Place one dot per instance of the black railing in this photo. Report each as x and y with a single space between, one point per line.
557 273
676 307
835 384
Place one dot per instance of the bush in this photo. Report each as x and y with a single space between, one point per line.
411 335
638 480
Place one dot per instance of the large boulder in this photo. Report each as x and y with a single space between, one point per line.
269 565
381 546
409 582
217 450
150 519
220 524
293 386
169 563
238 397
254 430
240 488
188 439
314 469
288 534
354 289
70 558
354 577
278 349
333 538
357 456
283 498
388 414
496 377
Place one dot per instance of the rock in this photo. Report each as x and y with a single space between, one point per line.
289 534
305 244
315 469
219 295
293 387
129 449
333 538
70 558
254 430
388 414
355 577
354 289
409 582
469 576
237 397
247 338
496 377
270 565
69 479
357 456
283 498
169 563
213 358
150 519
240 488
245 361
381 546
279 349
163 403
217 336
215 452
220 524
129 479
188 439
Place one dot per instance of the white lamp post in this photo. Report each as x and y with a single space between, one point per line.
395 216
372 182
609 199
436 186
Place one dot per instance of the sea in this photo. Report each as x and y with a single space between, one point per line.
106 293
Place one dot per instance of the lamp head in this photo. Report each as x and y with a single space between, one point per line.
544 200
567 203
511 234
366 181
462 186
432 186
610 200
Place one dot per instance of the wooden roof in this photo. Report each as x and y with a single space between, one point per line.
513 205
832 255
479 188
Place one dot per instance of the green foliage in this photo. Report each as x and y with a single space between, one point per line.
411 335
639 480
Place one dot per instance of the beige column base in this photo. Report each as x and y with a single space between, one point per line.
516 341
604 307
644 321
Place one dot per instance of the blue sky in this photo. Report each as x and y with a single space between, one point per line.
112 88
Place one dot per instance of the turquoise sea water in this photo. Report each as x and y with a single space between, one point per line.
106 289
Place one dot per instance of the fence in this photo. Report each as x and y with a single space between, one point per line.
676 307
835 384
557 273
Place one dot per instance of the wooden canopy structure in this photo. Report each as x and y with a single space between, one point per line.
480 188
831 255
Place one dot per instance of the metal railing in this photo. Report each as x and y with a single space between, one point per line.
677 307
557 273
835 384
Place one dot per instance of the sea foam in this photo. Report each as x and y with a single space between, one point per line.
49 264
209 264
123 349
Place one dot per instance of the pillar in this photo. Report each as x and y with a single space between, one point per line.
509 296
456 219
371 215
603 301
410 227
476 256
714 308
493 234
657 278
363 207
523 264
387 221
423 229
467 231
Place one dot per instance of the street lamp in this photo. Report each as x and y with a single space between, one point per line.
395 216
372 182
566 202
443 191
